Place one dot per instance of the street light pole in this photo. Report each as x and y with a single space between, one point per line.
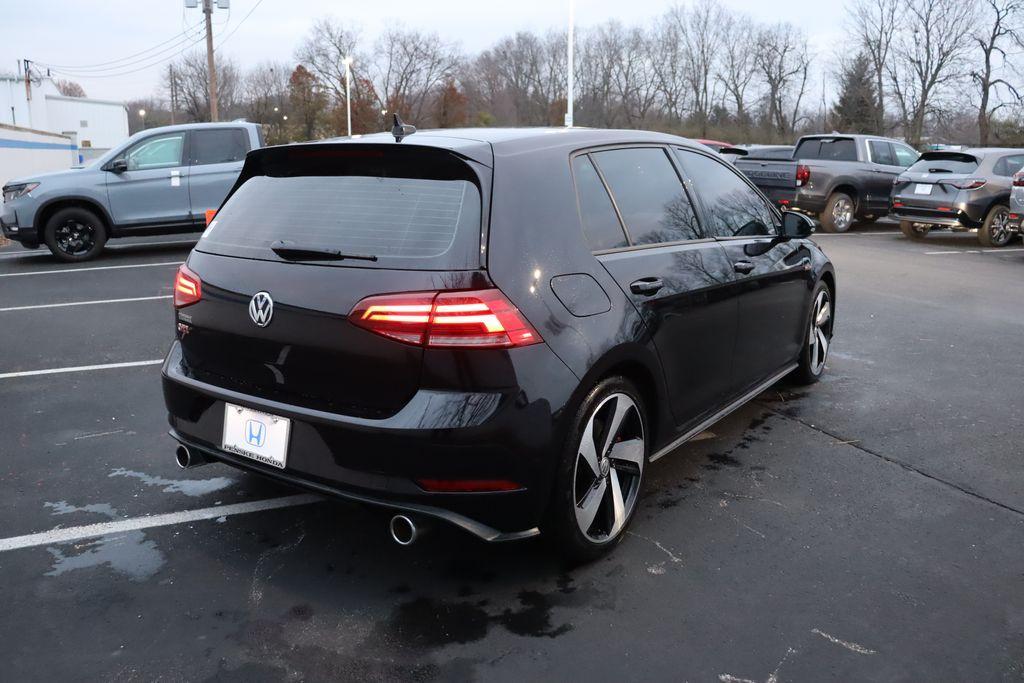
348 92
570 66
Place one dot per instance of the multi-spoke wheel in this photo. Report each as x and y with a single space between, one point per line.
818 337
74 234
602 472
995 231
839 213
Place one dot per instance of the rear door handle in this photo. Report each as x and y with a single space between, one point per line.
646 286
743 267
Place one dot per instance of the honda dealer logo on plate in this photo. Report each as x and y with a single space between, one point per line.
261 308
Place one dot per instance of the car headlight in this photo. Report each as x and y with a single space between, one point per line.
12 192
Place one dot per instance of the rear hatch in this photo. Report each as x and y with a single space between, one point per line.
934 181
319 228
769 175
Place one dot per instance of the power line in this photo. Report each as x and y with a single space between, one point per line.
239 24
150 65
158 55
176 38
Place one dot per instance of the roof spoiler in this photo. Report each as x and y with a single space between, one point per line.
949 156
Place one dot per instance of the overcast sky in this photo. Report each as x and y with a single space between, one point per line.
75 33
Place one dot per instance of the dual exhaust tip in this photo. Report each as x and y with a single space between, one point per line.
404 529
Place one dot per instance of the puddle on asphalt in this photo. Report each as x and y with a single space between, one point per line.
129 553
190 487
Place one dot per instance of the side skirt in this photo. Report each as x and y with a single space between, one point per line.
745 398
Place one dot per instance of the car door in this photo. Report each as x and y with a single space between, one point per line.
884 167
216 156
153 189
675 275
772 276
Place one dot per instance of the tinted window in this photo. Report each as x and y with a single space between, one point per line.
650 197
406 222
218 146
731 206
600 224
842 149
156 152
881 152
938 162
905 156
1007 166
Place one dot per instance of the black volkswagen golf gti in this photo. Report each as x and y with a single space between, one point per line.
497 328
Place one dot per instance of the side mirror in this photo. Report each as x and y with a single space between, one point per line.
117 166
796 225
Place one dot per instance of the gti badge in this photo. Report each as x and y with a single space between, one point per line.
261 309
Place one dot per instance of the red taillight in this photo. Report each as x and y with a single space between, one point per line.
803 175
969 184
467 485
784 202
897 204
477 319
1018 179
188 288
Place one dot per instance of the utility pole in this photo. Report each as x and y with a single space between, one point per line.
170 80
570 65
28 81
208 11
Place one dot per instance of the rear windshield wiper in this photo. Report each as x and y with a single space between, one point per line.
298 252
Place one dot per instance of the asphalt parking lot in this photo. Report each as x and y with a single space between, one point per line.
870 527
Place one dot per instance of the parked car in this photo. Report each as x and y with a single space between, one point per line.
1016 217
499 328
838 179
161 180
959 190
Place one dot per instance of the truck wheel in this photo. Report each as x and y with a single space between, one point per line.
75 234
838 214
914 231
995 230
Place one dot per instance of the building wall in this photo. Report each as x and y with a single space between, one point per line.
26 152
97 123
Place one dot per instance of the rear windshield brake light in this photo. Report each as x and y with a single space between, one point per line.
474 319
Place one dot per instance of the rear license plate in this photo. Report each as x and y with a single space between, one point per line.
922 188
259 436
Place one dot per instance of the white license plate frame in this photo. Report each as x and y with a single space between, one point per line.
256 435
923 188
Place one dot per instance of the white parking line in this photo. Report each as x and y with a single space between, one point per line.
82 270
80 368
937 253
78 533
86 303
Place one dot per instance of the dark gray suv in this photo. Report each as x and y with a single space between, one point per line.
960 190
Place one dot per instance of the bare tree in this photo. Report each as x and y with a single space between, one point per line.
784 61
668 62
1000 27
409 68
738 64
265 92
702 31
927 56
876 24
191 82
324 51
69 88
636 82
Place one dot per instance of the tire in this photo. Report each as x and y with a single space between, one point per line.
75 234
994 231
586 487
839 213
914 231
818 338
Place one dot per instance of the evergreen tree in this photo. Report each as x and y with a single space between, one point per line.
854 111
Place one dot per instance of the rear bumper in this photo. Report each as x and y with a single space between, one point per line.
808 203
960 213
438 434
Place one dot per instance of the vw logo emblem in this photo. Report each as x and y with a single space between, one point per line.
261 308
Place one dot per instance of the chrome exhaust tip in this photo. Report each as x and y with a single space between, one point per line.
403 530
186 458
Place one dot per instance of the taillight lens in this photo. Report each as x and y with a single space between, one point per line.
969 184
1018 179
188 288
803 175
477 319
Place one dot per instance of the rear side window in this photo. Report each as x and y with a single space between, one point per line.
840 149
600 224
400 208
951 162
1009 165
881 153
905 156
218 146
649 195
732 208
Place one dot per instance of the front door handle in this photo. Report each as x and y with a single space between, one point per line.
646 286
743 267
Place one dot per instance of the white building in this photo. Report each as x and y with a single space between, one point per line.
93 126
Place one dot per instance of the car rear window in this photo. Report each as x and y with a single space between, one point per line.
838 149
944 163
374 209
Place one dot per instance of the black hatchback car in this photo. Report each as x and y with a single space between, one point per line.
498 328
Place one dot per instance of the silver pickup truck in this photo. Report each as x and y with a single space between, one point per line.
836 178
160 181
